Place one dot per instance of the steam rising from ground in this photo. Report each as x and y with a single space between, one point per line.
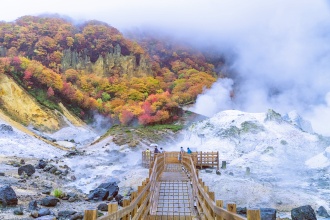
278 49
215 99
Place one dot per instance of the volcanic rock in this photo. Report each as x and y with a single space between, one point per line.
268 213
28 169
303 212
103 191
49 201
322 212
7 196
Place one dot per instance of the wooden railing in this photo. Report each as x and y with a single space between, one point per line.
141 201
139 205
201 159
205 202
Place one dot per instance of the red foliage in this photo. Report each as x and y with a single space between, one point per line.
50 92
126 117
27 75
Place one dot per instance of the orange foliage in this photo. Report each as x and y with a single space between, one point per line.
39 42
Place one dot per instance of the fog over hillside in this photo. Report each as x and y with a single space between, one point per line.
278 51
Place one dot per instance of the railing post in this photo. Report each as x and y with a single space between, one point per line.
253 214
90 214
112 207
219 203
247 171
201 160
217 160
126 203
223 165
133 196
231 207
212 197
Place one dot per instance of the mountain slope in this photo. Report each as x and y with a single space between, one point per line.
92 67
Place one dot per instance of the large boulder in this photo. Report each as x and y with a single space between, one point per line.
28 169
303 213
103 191
49 201
268 214
7 196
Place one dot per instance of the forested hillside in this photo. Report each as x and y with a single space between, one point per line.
93 67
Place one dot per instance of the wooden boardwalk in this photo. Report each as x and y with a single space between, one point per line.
173 191
173 194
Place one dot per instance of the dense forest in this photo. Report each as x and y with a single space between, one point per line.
93 67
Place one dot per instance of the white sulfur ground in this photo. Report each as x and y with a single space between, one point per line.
289 166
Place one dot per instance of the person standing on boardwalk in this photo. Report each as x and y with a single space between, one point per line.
181 154
156 150
148 154
188 150
161 150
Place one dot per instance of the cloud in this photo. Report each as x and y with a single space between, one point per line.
279 50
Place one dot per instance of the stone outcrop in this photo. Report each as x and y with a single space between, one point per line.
112 62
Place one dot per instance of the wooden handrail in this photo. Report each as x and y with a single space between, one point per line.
205 201
140 206
144 196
